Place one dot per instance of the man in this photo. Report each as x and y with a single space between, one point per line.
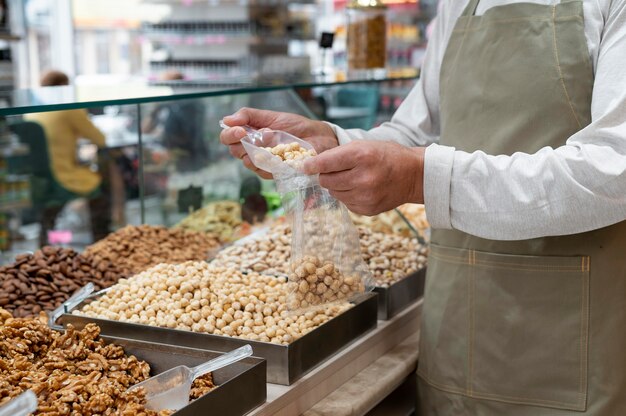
525 304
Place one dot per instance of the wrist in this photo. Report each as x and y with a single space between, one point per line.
416 195
323 136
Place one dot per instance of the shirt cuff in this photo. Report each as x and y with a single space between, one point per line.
342 135
438 162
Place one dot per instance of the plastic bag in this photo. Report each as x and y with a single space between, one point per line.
326 263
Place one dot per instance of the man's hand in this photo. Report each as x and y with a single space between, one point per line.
371 177
319 134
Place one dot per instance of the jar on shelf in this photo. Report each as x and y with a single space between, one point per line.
367 36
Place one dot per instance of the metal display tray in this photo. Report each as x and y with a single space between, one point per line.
397 297
285 363
241 387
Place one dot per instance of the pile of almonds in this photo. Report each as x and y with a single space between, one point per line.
202 297
269 254
44 280
391 257
137 248
292 153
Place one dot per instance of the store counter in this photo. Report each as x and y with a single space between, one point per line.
356 379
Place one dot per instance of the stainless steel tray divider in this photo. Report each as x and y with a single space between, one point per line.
398 296
285 363
241 387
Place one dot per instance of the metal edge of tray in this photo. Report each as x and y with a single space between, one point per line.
320 344
394 299
241 387
285 363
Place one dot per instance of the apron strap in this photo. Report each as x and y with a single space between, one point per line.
470 10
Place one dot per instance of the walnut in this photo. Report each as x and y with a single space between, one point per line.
74 372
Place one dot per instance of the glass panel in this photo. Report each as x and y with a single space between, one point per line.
64 188
362 106
61 98
186 167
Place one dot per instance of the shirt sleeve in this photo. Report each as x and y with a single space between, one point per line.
416 122
578 187
84 128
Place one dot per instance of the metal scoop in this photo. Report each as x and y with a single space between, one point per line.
22 405
170 390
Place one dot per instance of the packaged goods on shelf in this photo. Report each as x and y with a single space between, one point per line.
74 372
201 297
137 248
42 281
220 218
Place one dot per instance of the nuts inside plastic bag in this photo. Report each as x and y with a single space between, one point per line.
326 265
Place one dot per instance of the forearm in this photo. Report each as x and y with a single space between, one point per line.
569 190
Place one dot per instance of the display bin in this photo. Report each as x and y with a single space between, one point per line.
398 296
241 387
285 363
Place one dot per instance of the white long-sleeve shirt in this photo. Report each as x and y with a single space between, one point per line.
574 188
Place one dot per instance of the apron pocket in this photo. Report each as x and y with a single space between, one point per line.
507 327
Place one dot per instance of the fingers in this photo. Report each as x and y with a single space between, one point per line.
232 135
237 150
334 160
338 181
252 117
248 164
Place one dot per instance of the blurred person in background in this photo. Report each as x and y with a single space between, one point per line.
180 127
63 129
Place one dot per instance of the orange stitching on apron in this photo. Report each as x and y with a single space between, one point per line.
446 257
441 386
500 398
470 340
584 324
506 266
496 22
558 66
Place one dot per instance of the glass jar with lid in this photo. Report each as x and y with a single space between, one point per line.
367 36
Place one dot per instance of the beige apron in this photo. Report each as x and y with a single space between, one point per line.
534 327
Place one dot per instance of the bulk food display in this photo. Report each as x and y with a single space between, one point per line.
75 371
136 248
201 297
390 222
82 372
45 279
390 257
221 219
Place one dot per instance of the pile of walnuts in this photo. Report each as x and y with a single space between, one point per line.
74 372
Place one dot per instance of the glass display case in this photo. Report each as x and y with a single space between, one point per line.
161 158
